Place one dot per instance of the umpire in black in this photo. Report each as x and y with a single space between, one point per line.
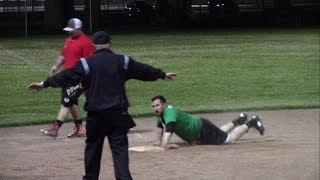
103 76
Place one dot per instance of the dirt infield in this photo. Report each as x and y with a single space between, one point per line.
289 150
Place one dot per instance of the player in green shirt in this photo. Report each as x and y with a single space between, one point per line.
198 130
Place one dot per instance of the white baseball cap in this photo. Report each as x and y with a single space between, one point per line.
73 24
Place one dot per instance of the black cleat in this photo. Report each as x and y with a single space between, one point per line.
241 119
256 122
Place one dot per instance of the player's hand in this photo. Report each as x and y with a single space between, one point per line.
35 87
170 75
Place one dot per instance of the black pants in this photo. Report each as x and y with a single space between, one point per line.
211 134
107 124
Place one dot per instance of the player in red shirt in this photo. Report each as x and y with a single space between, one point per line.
76 46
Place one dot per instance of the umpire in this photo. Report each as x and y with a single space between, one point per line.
104 75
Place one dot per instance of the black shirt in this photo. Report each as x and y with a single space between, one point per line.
104 75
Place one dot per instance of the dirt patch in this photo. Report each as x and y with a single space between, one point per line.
289 150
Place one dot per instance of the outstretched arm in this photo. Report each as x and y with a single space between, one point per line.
145 72
70 76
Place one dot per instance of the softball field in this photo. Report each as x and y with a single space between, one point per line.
289 150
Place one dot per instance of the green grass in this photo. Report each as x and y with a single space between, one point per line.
223 70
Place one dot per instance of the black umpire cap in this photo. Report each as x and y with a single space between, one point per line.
100 38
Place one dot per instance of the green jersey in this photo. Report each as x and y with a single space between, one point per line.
187 127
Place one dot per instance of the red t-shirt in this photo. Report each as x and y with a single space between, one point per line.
76 48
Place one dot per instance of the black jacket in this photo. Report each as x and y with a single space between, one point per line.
104 75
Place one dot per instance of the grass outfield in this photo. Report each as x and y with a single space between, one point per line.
217 71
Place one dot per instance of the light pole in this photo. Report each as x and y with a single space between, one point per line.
26 18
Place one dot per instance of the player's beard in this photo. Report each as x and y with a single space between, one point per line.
158 113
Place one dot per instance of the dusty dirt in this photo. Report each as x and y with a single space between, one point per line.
289 150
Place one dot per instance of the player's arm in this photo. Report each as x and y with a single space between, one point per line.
159 132
60 60
170 127
55 68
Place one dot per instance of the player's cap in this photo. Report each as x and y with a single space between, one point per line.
100 37
73 24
